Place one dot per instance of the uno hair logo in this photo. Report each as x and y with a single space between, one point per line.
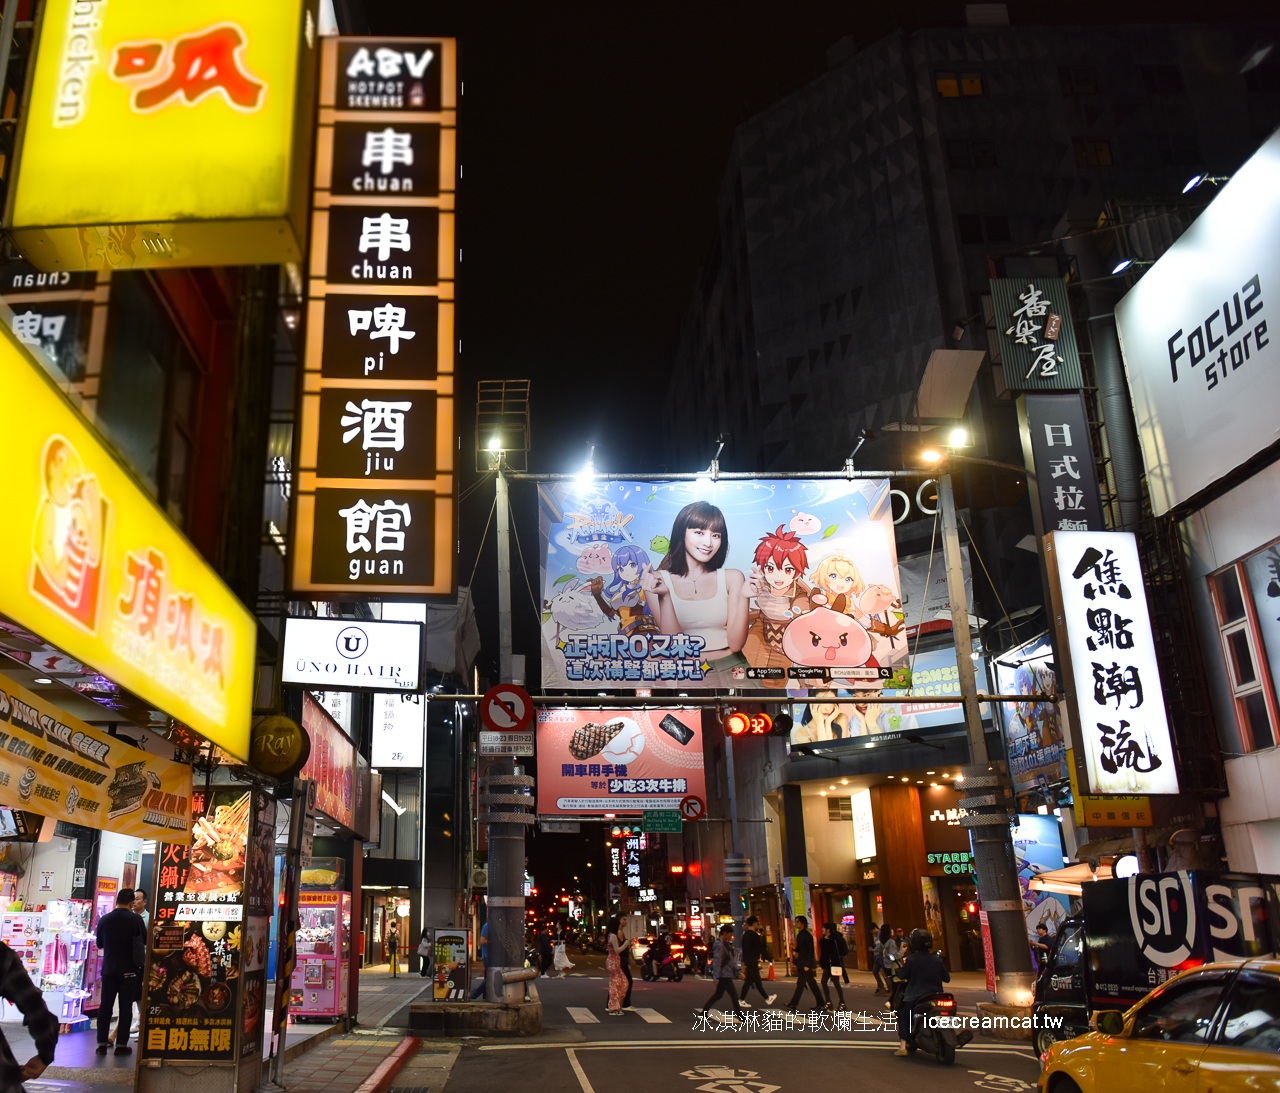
352 643
1162 910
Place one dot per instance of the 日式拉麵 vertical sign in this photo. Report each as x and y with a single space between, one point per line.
375 476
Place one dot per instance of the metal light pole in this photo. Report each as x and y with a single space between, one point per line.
500 790
737 869
987 803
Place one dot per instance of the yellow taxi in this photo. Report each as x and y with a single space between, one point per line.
1215 1029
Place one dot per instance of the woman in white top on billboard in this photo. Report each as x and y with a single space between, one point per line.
692 593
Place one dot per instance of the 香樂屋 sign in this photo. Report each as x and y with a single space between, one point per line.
183 126
1202 362
1110 669
56 765
352 655
92 565
374 501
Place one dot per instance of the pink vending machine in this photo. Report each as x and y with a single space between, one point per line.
319 985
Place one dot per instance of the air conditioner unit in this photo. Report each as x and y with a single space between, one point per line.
480 877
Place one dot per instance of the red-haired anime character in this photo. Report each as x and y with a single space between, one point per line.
780 561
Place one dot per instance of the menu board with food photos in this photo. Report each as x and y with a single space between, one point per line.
202 962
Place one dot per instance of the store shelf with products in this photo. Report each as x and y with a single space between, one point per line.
55 946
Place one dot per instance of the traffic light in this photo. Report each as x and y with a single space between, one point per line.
740 723
677 869
782 725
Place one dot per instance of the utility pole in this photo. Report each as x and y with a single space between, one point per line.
501 790
737 869
988 795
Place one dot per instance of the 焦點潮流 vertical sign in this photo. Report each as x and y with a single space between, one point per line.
375 476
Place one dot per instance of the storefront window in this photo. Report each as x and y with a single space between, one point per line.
1246 597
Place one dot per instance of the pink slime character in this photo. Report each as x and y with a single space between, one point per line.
826 638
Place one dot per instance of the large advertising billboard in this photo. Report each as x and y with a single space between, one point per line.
746 584
1037 845
1203 368
618 761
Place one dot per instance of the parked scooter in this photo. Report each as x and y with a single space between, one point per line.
931 1018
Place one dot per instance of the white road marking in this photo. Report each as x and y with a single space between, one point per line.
652 1016
582 1015
577 1069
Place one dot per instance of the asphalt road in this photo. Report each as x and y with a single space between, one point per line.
664 1047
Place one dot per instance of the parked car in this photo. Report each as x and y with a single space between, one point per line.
1134 931
1215 1027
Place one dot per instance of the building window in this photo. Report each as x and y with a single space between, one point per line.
1246 598
1162 80
976 230
1091 152
952 85
400 828
997 229
840 808
1078 81
150 390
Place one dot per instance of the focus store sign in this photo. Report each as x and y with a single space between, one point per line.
375 508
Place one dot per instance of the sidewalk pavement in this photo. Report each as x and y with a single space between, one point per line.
382 997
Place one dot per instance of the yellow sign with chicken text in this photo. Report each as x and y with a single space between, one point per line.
90 563
56 765
166 134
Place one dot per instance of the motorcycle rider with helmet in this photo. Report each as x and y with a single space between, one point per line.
923 973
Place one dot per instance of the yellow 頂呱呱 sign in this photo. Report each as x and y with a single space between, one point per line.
161 134
91 564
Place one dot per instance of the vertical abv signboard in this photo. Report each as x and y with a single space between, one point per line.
1037 341
375 499
203 997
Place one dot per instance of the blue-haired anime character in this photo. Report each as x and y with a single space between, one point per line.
625 595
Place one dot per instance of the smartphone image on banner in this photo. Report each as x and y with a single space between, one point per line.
676 728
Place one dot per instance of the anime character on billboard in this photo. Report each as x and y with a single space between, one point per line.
824 638
624 595
1035 720
780 561
838 579
691 593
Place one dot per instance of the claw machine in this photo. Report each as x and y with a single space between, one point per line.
67 947
319 987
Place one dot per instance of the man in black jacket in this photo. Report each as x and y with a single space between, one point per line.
752 952
119 933
806 961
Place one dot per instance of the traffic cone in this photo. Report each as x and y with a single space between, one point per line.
772 977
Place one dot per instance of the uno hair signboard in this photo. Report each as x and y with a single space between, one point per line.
92 565
353 655
1200 354
374 509
186 128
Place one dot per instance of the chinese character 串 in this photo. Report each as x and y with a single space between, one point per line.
1119 749
1116 682
385 519
142 603
1109 629
31 328
198 66
1106 571
384 234
386 148
386 321
1066 465
382 423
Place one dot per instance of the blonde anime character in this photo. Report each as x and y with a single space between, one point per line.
838 579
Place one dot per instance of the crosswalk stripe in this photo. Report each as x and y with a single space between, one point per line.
652 1016
582 1015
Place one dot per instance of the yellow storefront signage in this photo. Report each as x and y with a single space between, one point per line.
166 134
90 563
1110 811
58 766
